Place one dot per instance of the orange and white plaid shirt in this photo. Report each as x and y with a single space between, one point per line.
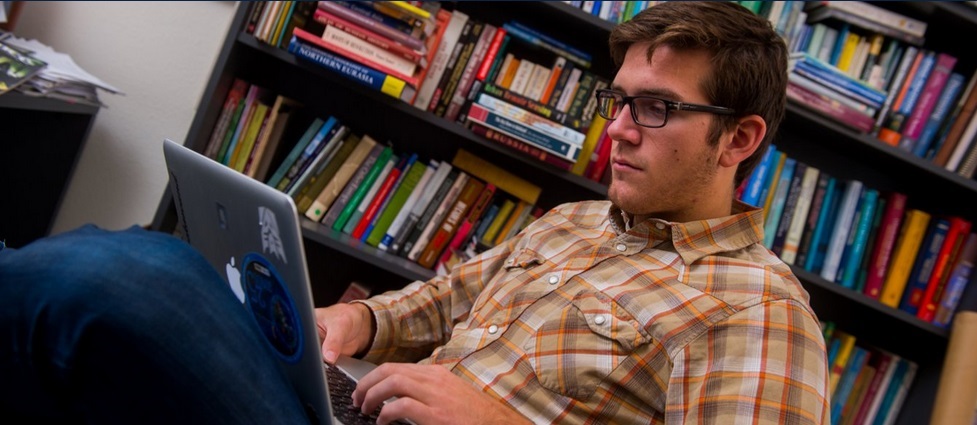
577 320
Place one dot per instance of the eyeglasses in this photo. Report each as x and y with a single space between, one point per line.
648 111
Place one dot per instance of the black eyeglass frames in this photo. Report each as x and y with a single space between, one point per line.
648 111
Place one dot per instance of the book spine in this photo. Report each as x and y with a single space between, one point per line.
374 79
326 18
398 222
927 98
484 116
416 223
521 146
344 216
431 226
373 25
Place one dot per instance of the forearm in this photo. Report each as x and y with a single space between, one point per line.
411 322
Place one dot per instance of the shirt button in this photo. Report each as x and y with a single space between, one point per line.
660 226
493 329
599 320
622 247
554 279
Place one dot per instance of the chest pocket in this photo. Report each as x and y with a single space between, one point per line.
573 351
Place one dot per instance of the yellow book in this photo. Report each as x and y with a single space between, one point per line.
589 143
903 256
502 179
416 11
514 217
841 359
848 51
510 73
243 150
493 230
283 16
772 185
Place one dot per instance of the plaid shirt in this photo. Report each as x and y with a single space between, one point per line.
576 320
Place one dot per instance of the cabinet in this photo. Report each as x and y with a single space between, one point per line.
336 259
41 141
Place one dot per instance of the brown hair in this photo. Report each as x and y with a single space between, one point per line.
749 59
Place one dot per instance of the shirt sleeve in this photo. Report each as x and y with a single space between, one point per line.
411 322
763 365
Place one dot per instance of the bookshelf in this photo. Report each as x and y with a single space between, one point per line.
336 259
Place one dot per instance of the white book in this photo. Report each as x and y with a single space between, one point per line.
842 226
448 41
435 222
796 229
882 16
569 90
521 80
319 162
401 217
348 42
537 82
417 210
506 63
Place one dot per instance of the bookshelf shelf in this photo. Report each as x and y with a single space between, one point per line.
335 258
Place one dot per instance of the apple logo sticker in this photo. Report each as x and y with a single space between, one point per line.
234 280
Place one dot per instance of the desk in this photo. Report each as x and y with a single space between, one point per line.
40 141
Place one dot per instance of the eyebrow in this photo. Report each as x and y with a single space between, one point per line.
662 93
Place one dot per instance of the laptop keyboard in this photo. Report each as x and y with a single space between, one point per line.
341 388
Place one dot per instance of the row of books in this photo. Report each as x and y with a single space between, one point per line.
861 65
612 10
496 72
432 212
865 240
868 385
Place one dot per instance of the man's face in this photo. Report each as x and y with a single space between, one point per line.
669 172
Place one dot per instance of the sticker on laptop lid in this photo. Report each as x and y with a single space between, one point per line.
272 307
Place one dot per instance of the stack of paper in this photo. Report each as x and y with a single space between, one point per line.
62 78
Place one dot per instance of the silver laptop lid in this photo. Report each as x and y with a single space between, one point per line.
249 232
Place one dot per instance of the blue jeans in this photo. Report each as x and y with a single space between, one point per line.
130 327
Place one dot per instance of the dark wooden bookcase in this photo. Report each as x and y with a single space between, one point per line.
336 259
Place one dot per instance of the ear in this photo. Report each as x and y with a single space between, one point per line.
743 140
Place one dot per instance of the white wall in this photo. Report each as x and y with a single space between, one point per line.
160 54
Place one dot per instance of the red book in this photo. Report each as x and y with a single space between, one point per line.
598 164
493 50
385 190
466 227
326 18
449 226
895 207
949 251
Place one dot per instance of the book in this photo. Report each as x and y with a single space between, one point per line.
375 79
329 19
327 170
355 291
949 252
357 197
296 151
468 225
321 201
405 242
440 212
436 68
234 96
895 207
373 25
957 282
521 146
845 216
270 137
449 225
858 238
907 245
502 179
351 187
383 189
398 199
402 215
923 266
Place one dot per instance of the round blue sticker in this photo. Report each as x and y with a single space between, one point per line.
272 306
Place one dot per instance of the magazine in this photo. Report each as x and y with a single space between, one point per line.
16 67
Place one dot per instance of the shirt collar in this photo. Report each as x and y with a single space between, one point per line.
696 239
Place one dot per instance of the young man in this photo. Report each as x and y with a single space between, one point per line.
657 306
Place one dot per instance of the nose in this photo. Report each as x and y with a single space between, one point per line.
624 129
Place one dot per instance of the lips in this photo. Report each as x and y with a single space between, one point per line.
621 163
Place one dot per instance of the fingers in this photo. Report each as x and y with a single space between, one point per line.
402 408
389 380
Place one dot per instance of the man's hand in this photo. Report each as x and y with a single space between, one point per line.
345 329
428 394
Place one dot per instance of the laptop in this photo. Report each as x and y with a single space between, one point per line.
249 232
